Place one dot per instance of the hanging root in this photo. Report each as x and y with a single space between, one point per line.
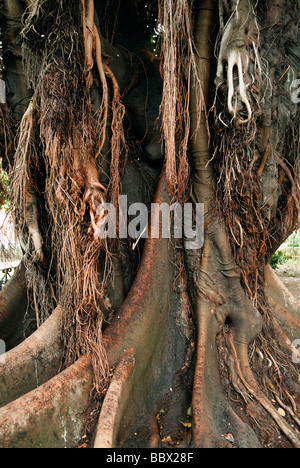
72 192
250 386
93 47
239 50
294 191
177 66
31 218
103 112
88 24
23 188
96 194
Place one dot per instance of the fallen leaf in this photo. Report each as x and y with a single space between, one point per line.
188 424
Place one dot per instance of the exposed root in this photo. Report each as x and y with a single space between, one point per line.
217 267
71 389
51 416
13 308
252 388
291 331
178 62
294 191
239 48
103 113
66 128
114 404
66 178
281 295
286 321
95 197
40 358
31 218
88 25
86 176
217 259
238 59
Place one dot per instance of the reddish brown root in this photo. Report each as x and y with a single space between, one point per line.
213 418
88 23
240 354
285 339
287 323
114 405
238 48
39 358
138 325
52 415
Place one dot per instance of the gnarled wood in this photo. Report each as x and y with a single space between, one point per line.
33 362
114 405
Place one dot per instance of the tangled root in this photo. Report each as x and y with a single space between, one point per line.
240 49
245 383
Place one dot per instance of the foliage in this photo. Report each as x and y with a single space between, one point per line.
277 259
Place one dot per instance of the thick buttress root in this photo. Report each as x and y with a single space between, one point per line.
39 357
139 325
280 294
14 308
114 405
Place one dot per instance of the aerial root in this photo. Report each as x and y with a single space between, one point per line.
264 161
253 390
113 405
103 115
95 197
96 194
236 59
93 45
239 50
88 23
23 186
31 218
294 190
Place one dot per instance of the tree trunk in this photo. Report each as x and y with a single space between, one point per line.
147 342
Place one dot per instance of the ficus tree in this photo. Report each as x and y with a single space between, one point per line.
145 342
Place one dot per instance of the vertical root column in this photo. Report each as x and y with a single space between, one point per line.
23 188
96 194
